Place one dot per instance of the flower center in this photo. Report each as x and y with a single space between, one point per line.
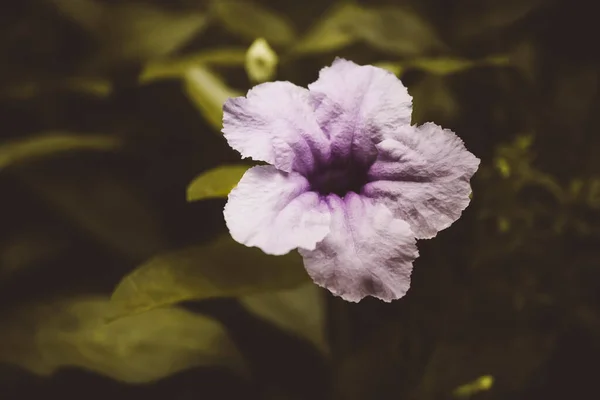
338 178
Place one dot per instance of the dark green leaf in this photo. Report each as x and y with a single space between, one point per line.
177 67
215 183
494 356
449 66
433 100
300 311
28 247
490 15
50 143
136 349
397 31
390 29
396 68
470 389
442 66
332 32
102 205
86 85
222 268
133 31
253 21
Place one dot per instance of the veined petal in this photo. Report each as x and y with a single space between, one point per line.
275 123
367 253
274 211
358 106
422 175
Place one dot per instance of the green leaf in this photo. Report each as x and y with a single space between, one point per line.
30 246
253 21
433 100
215 183
397 31
137 349
395 68
593 193
491 15
470 389
442 66
330 33
300 311
47 144
100 204
133 31
495 355
222 268
96 87
177 67
449 66
525 57
208 93
393 30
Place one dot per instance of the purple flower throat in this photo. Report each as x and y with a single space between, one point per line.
338 177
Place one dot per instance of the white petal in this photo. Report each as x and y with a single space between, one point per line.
274 211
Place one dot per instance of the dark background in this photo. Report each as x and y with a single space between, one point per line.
510 290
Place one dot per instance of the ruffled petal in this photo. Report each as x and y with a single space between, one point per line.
423 175
367 253
275 123
274 211
358 106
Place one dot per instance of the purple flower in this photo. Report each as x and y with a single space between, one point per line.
352 184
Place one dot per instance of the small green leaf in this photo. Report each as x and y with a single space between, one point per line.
524 142
208 93
92 86
441 66
449 66
575 188
525 57
395 68
330 33
215 183
593 194
86 13
300 311
253 21
222 268
491 15
132 31
177 67
433 100
30 246
393 30
51 143
96 87
503 224
138 349
396 31
502 166
468 390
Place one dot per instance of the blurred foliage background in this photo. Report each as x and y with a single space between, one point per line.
118 279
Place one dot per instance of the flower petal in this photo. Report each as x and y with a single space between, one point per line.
423 175
357 106
274 211
367 252
275 123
